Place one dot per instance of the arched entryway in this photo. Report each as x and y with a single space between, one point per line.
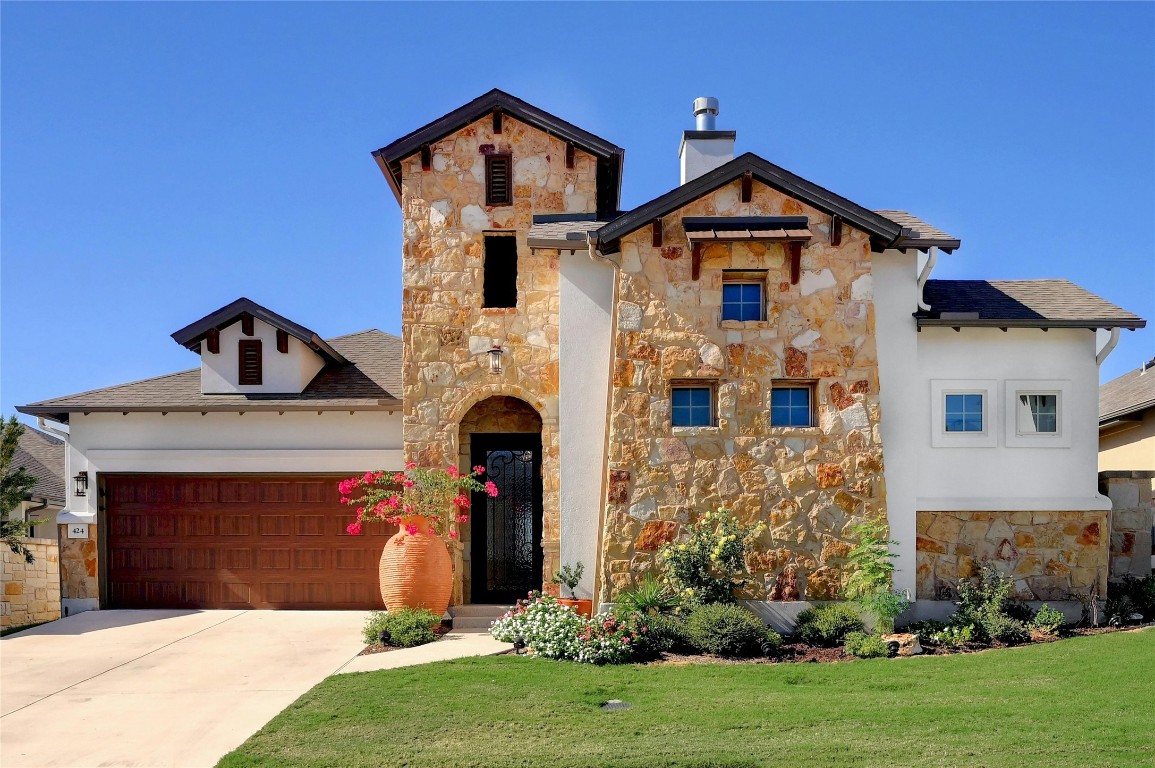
502 543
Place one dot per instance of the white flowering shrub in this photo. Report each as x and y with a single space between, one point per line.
555 631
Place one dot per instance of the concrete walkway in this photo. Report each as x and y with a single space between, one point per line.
160 688
455 645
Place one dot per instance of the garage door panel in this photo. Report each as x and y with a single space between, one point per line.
236 542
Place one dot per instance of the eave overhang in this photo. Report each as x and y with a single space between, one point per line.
61 415
193 334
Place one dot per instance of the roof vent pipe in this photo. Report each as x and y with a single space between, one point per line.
705 110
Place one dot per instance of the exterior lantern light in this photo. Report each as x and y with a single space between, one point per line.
495 360
81 481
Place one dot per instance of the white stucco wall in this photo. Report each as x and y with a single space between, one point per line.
1009 473
331 441
586 290
283 372
895 299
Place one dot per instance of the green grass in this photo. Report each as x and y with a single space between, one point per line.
1082 702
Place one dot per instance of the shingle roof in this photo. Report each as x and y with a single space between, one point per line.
919 234
1130 393
1020 303
43 456
558 234
370 381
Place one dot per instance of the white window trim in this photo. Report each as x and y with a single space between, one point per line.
1015 387
939 389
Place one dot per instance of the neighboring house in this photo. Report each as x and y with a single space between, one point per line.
1127 421
43 456
748 340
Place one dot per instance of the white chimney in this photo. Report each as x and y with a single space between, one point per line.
705 148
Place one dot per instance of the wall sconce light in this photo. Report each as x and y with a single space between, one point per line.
81 481
495 360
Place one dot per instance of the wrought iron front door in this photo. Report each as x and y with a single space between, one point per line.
506 548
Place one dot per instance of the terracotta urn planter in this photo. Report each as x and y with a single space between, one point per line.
415 569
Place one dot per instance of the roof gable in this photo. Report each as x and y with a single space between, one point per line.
1130 393
609 156
882 230
191 335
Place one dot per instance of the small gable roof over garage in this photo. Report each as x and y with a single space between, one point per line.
193 334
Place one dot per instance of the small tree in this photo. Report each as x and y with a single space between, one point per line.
15 482
869 584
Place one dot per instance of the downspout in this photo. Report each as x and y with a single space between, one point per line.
924 275
1108 348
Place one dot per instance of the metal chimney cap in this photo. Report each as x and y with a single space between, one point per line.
705 104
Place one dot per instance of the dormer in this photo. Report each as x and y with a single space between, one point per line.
247 349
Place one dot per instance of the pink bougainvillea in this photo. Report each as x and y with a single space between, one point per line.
441 496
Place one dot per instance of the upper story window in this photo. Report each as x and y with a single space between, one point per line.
963 412
791 405
498 180
743 295
249 364
500 289
692 406
1037 413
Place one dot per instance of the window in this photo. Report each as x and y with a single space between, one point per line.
743 295
500 289
790 406
498 180
250 361
1037 413
692 406
963 412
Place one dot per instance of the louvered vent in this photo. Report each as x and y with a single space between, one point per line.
498 181
250 361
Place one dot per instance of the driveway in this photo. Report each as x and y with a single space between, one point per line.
159 688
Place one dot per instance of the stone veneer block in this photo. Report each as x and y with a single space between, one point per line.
30 592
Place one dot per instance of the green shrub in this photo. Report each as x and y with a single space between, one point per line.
667 634
955 636
1141 593
872 565
707 566
403 628
729 630
649 598
866 646
986 606
1048 620
1119 610
828 624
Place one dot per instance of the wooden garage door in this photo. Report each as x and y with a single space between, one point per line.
236 541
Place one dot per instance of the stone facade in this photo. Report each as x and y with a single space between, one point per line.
1132 519
811 484
31 591
445 329
1052 555
79 575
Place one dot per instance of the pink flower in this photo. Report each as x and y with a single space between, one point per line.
479 469
453 471
491 488
462 501
411 529
393 501
345 487
367 478
453 534
353 529
432 531
411 465
408 483
398 477
463 518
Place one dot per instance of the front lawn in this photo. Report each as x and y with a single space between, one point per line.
1081 702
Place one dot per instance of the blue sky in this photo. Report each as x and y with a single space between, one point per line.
160 160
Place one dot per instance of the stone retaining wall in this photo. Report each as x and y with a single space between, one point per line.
1052 555
1132 517
31 591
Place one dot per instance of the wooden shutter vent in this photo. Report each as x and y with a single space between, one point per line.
498 181
250 361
